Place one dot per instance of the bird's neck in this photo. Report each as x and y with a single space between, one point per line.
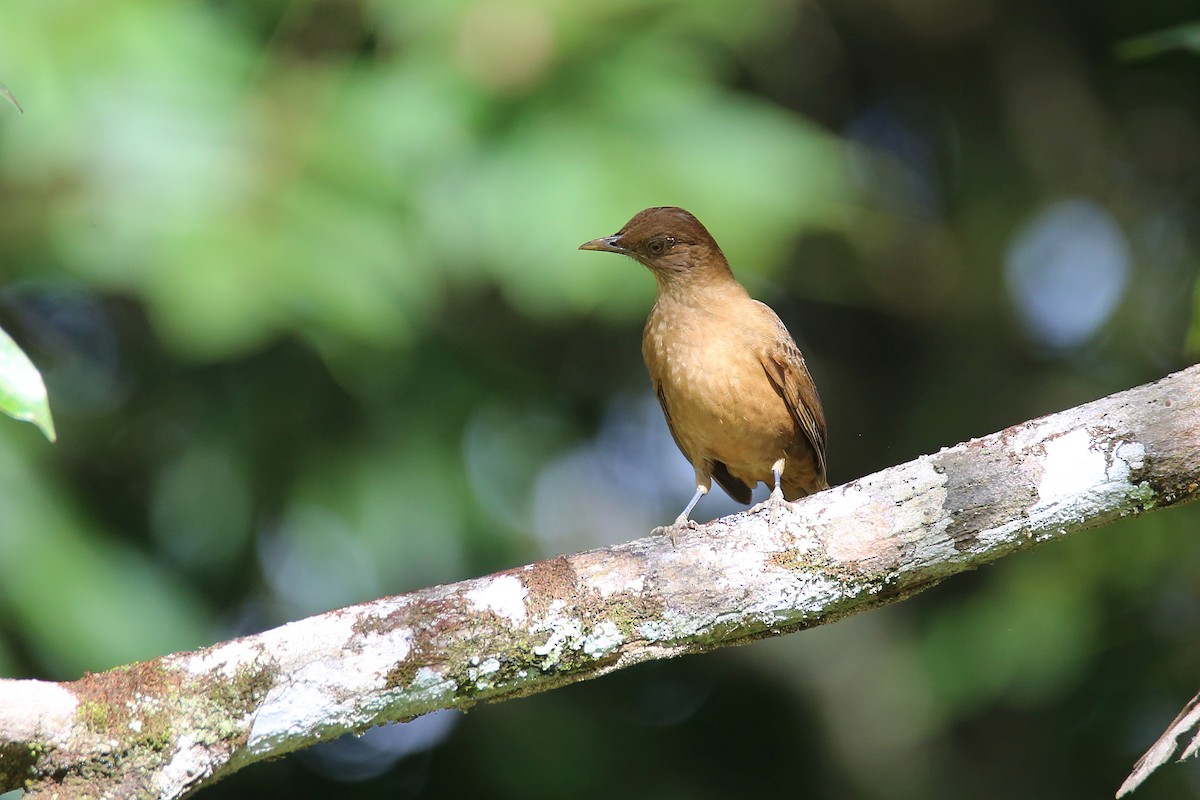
699 289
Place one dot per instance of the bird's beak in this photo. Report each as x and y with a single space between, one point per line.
605 244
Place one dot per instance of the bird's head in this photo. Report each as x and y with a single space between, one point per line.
669 242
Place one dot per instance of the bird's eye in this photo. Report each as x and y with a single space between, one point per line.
660 244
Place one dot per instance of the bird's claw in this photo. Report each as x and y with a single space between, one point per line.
772 505
674 529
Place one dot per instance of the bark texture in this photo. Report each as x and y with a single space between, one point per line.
1187 721
165 727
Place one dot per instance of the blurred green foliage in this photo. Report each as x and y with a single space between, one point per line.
7 94
1157 43
301 279
342 197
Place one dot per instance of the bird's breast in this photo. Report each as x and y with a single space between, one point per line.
709 373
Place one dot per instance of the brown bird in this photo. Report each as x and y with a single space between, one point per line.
731 381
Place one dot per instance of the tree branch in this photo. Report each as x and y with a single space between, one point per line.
165 727
1187 721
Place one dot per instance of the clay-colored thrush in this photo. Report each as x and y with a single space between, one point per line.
731 381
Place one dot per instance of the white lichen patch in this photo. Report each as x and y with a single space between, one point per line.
223 660
605 638
784 600
920 501
655 630
1078 476
844 501
321 668
1132 454
190 761
566 633
870 521
1070 467
618 580
503 595
430 684
32 709
479 672
612 572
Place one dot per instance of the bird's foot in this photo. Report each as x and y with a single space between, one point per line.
774 504
673 530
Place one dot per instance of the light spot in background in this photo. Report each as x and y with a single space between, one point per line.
360 758
411 527
896 163
315 561
504 46
160 145
617 487
503 450
1066 272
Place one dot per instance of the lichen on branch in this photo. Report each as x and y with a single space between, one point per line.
165 727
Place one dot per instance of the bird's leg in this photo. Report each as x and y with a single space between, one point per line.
777 491
775 502
682 521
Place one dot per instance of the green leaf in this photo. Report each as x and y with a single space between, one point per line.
22 393
1150 45
7 94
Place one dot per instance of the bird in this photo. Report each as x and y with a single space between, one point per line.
733 386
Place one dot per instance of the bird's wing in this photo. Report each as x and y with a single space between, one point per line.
666 409
736 488
785 367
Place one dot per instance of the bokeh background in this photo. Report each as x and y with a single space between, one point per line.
301 276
